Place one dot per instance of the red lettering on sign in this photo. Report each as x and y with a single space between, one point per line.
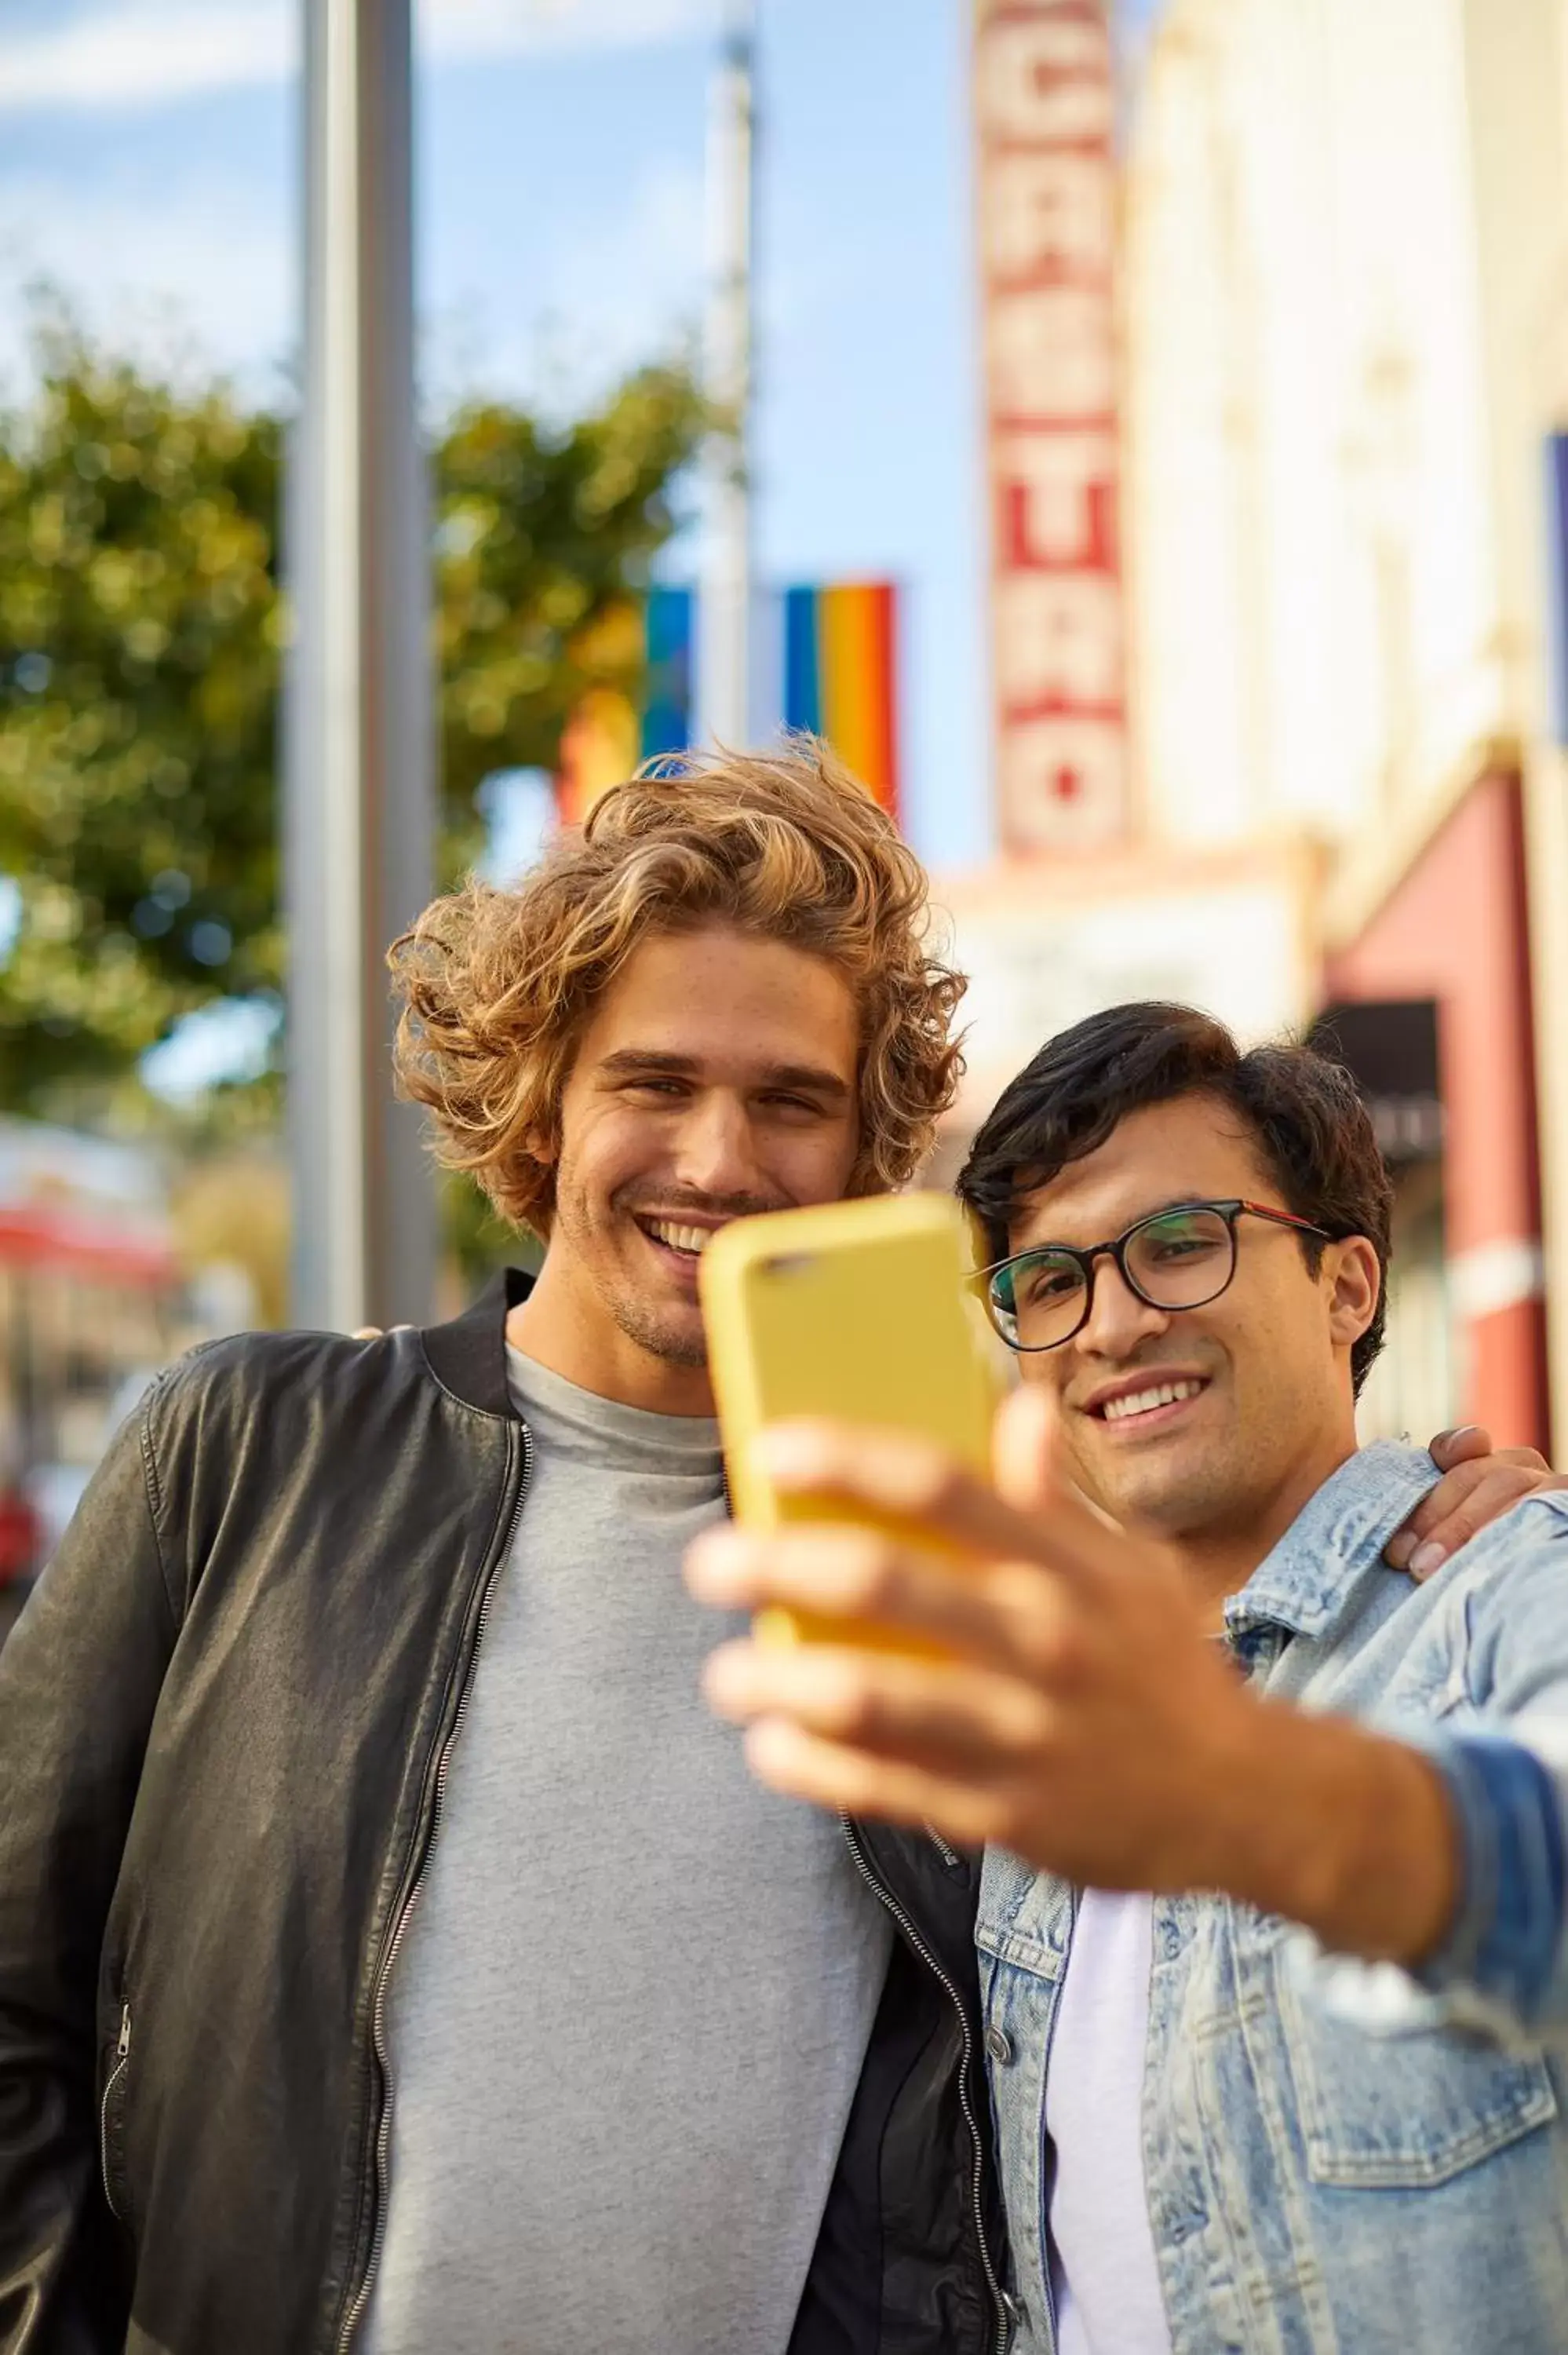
1045 110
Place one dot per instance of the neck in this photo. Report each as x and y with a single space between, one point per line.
575 1338
1218 1560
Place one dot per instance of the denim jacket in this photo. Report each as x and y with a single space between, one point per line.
1340 2156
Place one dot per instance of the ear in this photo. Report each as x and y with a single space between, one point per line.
540 1145
1355 1285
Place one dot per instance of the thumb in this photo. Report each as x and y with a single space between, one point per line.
1025 1449
1028 1457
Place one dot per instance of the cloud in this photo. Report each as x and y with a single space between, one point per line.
171 264
455 29
141 53
163 269
152 267
134 54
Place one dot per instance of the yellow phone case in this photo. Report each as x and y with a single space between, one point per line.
857 1310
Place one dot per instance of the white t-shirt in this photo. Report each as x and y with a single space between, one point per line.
1104 2276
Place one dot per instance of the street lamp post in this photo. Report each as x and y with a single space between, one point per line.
723 646
358 801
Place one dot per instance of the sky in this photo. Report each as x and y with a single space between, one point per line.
149 169
148 163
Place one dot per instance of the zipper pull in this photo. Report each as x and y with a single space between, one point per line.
123 2046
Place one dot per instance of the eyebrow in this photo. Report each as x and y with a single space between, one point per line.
628 1062
1187 1201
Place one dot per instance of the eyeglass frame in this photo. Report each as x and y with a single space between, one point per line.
1089 1256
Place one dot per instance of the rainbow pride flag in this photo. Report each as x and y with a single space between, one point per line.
670 622
606 736
841 674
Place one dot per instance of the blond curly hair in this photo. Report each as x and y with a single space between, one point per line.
497 985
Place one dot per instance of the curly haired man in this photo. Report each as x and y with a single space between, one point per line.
394 1955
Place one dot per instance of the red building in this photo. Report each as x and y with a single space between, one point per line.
1452 939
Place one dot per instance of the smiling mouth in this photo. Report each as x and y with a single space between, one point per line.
1139 1406
683 1242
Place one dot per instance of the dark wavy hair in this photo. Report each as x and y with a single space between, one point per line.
1313 1133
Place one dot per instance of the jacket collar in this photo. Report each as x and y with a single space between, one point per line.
468 1356
1308 1582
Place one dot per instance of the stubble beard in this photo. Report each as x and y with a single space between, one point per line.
673 1341
1189 1501
648 1331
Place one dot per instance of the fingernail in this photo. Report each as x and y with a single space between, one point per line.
1400 1549
717 1565
725 1681
787 1453
1428 1558
1462 1430
772 1747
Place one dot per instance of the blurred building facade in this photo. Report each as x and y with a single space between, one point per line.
1345 307
1342 306
107 1270
89 1283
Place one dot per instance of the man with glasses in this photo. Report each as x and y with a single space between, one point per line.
1180 1258
1271 1926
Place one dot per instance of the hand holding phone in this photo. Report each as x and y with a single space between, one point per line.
858 1311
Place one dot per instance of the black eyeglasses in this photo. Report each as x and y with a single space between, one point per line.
1175 1259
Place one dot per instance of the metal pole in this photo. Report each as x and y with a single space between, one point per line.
724 647
359 800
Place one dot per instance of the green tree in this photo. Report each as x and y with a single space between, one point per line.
540 534
141 628
138 635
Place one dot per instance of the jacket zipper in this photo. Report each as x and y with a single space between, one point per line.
122 2055
885 1896
361 2298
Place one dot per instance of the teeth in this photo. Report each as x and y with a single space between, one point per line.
1144 1401
693 1239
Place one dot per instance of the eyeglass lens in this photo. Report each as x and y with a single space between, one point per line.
1180 1260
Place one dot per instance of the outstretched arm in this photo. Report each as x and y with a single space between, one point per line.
1083 1716
1066 1702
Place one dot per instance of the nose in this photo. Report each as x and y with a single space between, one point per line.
714 1152
1118 1319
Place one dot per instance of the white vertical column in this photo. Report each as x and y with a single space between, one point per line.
724 616
358 746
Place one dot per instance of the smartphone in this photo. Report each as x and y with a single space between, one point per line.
858 1310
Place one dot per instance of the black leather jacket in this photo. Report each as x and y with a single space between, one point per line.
223 1724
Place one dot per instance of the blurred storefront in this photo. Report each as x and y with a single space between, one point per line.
1430 1002
1341 348
1392 1047
1044 944
114 1260
89 1288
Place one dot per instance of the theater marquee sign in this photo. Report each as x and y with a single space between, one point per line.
1046 108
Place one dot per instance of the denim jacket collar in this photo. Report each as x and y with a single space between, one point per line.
1307 1579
